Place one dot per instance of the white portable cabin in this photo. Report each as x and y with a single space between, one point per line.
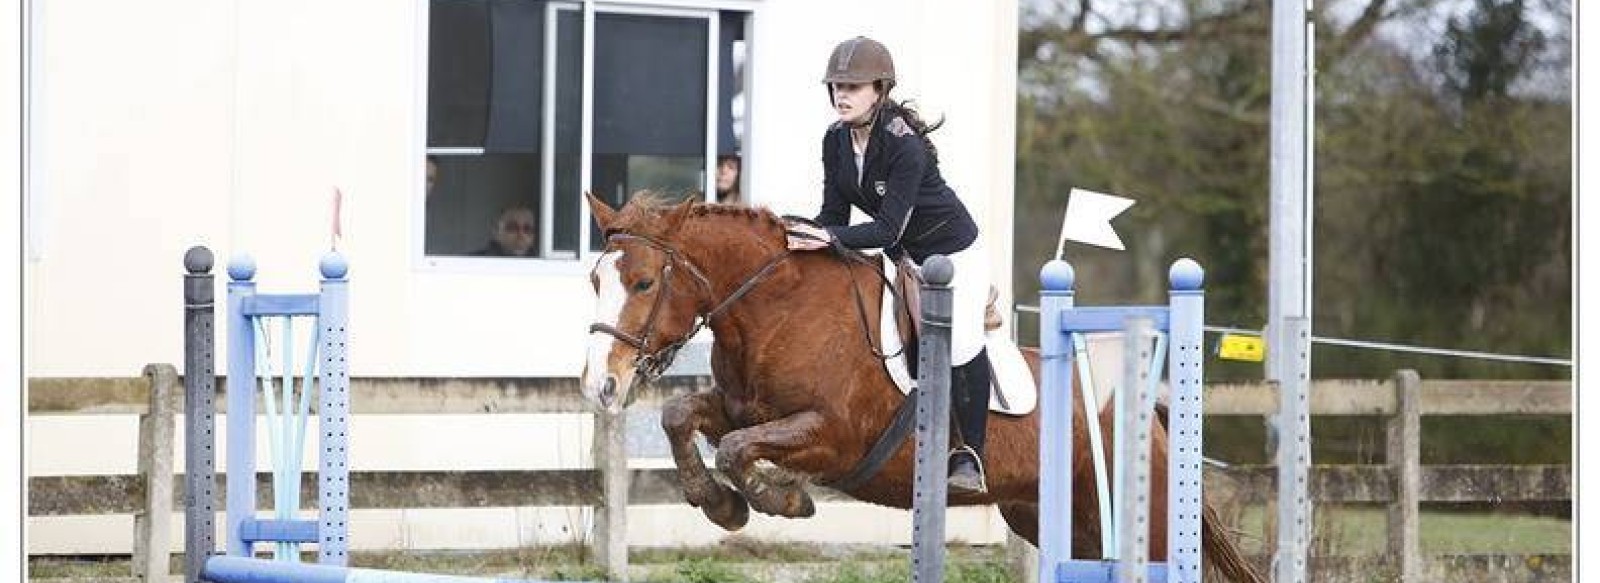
172 123
159 125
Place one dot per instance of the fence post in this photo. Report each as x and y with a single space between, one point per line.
1404 458
610 544
152 527
200 391
930 489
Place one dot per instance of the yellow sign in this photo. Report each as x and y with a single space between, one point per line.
1239 347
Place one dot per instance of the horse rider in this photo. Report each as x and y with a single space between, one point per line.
877 157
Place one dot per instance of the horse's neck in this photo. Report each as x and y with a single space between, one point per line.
809 301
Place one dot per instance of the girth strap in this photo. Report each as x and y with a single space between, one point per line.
888 442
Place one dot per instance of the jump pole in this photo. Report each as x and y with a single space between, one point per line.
930 490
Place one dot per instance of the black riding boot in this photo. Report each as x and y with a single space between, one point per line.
969 402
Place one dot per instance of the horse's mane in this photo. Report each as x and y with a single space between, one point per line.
646 206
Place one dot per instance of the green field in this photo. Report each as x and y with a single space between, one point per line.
1339 531
1364 531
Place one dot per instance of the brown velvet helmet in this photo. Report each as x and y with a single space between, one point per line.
860 60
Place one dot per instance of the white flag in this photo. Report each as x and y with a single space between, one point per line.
1088 219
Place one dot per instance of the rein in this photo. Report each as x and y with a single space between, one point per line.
849 257
648 364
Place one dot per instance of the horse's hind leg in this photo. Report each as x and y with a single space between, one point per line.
782 442
1023 519
682 416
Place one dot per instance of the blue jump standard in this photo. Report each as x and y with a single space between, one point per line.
230 569
244 530
1183 319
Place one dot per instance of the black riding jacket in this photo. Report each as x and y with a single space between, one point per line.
913 211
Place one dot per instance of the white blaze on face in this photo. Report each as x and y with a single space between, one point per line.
609 299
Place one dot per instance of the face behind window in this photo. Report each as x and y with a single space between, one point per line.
516 232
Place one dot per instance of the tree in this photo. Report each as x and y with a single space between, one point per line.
1443 190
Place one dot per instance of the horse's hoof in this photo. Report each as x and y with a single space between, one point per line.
731 514
790 502
803 507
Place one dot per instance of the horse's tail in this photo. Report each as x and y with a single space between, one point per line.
1222 553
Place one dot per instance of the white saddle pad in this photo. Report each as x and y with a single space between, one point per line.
1014 390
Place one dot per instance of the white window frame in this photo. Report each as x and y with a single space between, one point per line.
708 10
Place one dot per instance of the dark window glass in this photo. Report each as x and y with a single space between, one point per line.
486 119
649 107
516 92
469 195
649 85
458 72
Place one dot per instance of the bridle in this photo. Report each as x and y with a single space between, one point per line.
649 364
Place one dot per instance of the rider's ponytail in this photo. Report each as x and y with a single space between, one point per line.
913 119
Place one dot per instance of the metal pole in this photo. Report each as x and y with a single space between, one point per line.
1294 457
1135 409
241 470
1287 269
333 413
931 489
1055 419
199 409
1186 357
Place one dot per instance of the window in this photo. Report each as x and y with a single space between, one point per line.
520 123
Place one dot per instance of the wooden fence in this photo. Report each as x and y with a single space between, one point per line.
1402 483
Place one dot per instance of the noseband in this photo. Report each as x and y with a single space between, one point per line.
649 364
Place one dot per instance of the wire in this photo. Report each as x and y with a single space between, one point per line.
1390 346
1393 347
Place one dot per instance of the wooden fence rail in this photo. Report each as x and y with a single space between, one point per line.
1402 483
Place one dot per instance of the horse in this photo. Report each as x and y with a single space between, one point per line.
799 394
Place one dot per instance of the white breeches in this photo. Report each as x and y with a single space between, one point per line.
971 285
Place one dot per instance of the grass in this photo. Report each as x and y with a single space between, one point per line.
1351 530
1339 531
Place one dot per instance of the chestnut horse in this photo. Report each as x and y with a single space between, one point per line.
796 384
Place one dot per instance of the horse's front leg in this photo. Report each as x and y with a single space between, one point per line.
682 416
789 443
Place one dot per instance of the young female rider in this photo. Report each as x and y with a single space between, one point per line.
878 158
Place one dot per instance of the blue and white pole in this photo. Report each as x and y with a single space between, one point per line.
1056 279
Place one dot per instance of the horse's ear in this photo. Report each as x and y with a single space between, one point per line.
603 213
674 217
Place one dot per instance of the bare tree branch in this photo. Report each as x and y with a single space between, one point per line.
1082 17
1075 39
1364 24
1374 14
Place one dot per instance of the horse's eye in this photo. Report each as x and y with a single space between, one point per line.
643 285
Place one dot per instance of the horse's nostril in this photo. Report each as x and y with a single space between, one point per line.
608 393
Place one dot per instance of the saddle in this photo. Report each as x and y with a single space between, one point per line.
907 294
